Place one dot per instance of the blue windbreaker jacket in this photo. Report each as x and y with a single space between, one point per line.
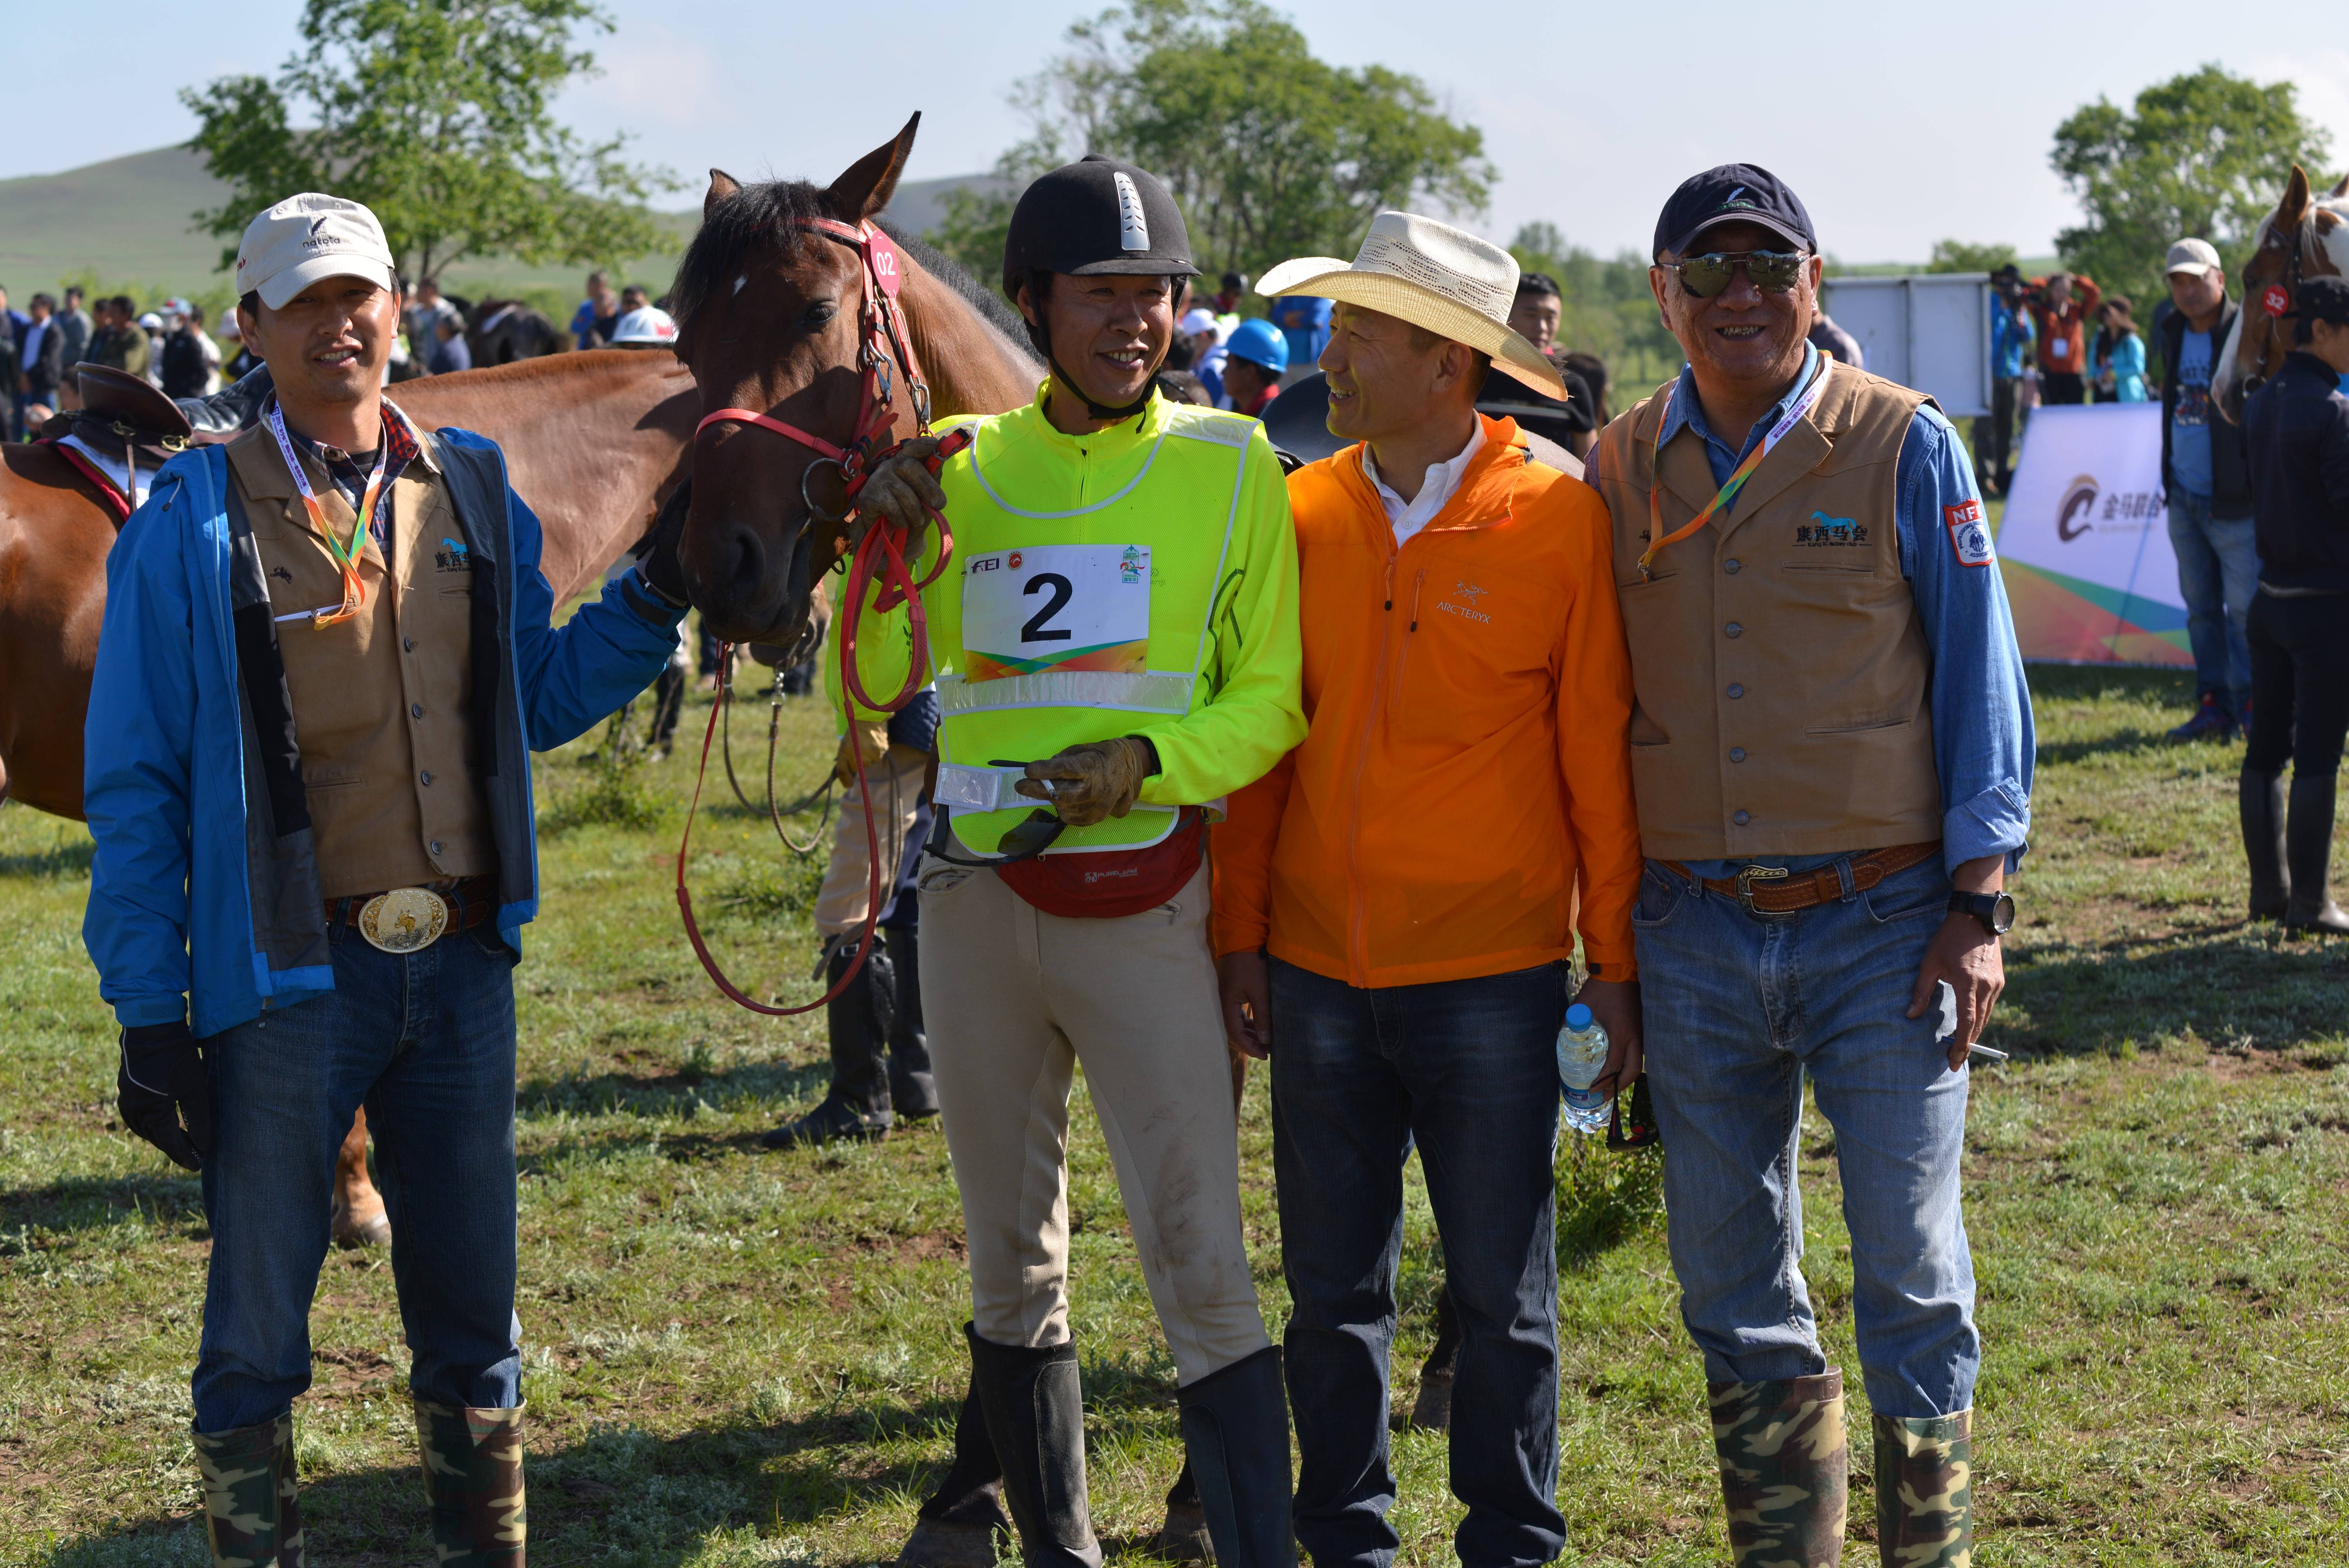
205 901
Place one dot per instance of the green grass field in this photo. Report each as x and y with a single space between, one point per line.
740 1357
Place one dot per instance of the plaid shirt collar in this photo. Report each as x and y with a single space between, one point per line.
348 471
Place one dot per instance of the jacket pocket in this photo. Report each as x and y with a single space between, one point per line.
1860 726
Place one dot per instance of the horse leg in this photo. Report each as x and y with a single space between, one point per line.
359 1220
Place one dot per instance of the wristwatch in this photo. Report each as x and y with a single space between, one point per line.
1994 909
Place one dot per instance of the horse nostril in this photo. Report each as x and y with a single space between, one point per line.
749 561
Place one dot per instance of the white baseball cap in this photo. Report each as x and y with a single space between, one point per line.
1199 321
650 325
308 237
2196 257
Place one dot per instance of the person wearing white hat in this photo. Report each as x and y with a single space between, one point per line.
1207 338
646 326
1396 902
327 653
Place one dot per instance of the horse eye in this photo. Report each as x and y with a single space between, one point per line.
819 313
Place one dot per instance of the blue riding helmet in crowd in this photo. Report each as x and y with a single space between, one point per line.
1261 344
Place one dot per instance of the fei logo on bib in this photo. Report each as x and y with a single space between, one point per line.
1056 607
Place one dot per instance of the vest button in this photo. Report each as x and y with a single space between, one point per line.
1735 690
1740 818
434 846
1733 629
1737 754
425 777
1730 566
408 644
415 710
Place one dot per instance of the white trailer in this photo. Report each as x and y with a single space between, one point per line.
1928 330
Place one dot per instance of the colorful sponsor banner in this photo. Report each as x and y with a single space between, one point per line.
2085 543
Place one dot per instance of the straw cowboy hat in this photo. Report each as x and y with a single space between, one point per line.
1432 275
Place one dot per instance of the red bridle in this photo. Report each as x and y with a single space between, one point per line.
879 557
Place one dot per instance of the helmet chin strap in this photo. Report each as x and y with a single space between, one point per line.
1044 342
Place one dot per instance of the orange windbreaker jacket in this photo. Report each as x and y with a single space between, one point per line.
1465 778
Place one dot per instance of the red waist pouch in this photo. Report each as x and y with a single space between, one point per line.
1107 884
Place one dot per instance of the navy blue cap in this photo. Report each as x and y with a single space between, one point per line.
2324 298
1733 193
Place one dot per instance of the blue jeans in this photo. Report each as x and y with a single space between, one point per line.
1469 1069
1737 1008
426 1041
2217 572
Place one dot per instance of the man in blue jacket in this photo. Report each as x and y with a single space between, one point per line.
325 660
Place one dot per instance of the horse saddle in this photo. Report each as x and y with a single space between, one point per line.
123 416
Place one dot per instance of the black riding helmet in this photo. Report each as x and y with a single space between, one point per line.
1092 217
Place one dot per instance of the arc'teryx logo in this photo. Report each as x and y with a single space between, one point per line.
1468 611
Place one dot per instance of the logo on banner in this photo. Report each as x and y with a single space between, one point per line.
1968 537
2079 502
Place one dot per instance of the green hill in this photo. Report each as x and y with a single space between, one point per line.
128 221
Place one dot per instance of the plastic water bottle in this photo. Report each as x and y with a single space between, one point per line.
1581 1058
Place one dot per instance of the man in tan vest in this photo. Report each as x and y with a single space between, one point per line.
325 660
1831 751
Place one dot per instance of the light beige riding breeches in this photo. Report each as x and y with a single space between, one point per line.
1015 999
895 782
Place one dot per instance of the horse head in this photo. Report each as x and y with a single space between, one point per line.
769 311
2302 238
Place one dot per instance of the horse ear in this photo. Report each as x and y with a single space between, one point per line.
2293 208
869 182
2341 190
722 186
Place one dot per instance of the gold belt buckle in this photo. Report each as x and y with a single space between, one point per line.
1748 876
405 920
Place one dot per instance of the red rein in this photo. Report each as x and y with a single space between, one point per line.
879 556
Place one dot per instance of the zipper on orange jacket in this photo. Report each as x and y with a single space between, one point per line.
1410 636
1358 940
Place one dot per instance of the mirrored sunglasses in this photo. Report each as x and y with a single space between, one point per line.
1706 275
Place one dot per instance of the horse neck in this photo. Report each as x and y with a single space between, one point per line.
971 365
592 442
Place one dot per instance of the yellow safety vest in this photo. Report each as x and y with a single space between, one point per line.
1118 582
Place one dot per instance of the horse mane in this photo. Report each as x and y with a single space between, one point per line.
755 215
951 273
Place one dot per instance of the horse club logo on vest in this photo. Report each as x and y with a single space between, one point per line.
1823 530
1968 537
1468 611
1132 228
452 556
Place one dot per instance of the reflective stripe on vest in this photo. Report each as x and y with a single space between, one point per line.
1156 518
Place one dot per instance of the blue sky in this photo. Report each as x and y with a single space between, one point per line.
1898 124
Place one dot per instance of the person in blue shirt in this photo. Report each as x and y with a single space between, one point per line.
2206 476
2117 358
1832 751
598 315
2012 334
1306 324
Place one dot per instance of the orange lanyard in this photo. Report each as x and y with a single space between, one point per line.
1657 537
345 557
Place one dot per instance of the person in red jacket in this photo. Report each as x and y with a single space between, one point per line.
2062 306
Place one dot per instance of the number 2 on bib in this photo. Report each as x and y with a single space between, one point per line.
1056 607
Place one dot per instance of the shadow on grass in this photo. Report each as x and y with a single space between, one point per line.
96 1203
2234 990
2088 683
667 1091
61 860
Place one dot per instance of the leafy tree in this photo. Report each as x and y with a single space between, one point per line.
1271 152
2202 154
1605 309
437 114
1958 256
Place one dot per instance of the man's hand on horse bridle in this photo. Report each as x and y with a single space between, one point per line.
902 489
658 566
160 1083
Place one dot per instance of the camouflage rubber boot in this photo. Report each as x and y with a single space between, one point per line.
472 1480
251 1516
1925 1491
1785 1470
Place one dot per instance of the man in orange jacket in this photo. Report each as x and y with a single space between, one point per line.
1396 901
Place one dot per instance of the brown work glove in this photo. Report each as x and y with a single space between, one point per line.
1100 779
872 737
899 488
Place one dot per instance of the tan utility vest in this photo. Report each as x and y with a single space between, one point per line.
381 701
1779 670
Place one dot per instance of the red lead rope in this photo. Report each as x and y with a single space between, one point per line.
880 556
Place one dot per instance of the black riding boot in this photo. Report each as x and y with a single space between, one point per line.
1235 1428
669 702
1036 1419
2308 842
958 1525
1432 1411
857 1105
2262 801
913 1091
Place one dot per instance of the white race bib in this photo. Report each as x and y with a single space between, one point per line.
2057 347
1056 607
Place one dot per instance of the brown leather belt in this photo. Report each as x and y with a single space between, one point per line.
1785 893
470 902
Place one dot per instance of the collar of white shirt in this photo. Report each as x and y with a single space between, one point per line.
1436 487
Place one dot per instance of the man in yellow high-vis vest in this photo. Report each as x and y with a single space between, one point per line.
1115 646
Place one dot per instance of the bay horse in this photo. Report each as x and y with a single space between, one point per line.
594 442
2302 238
768 305
502 331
